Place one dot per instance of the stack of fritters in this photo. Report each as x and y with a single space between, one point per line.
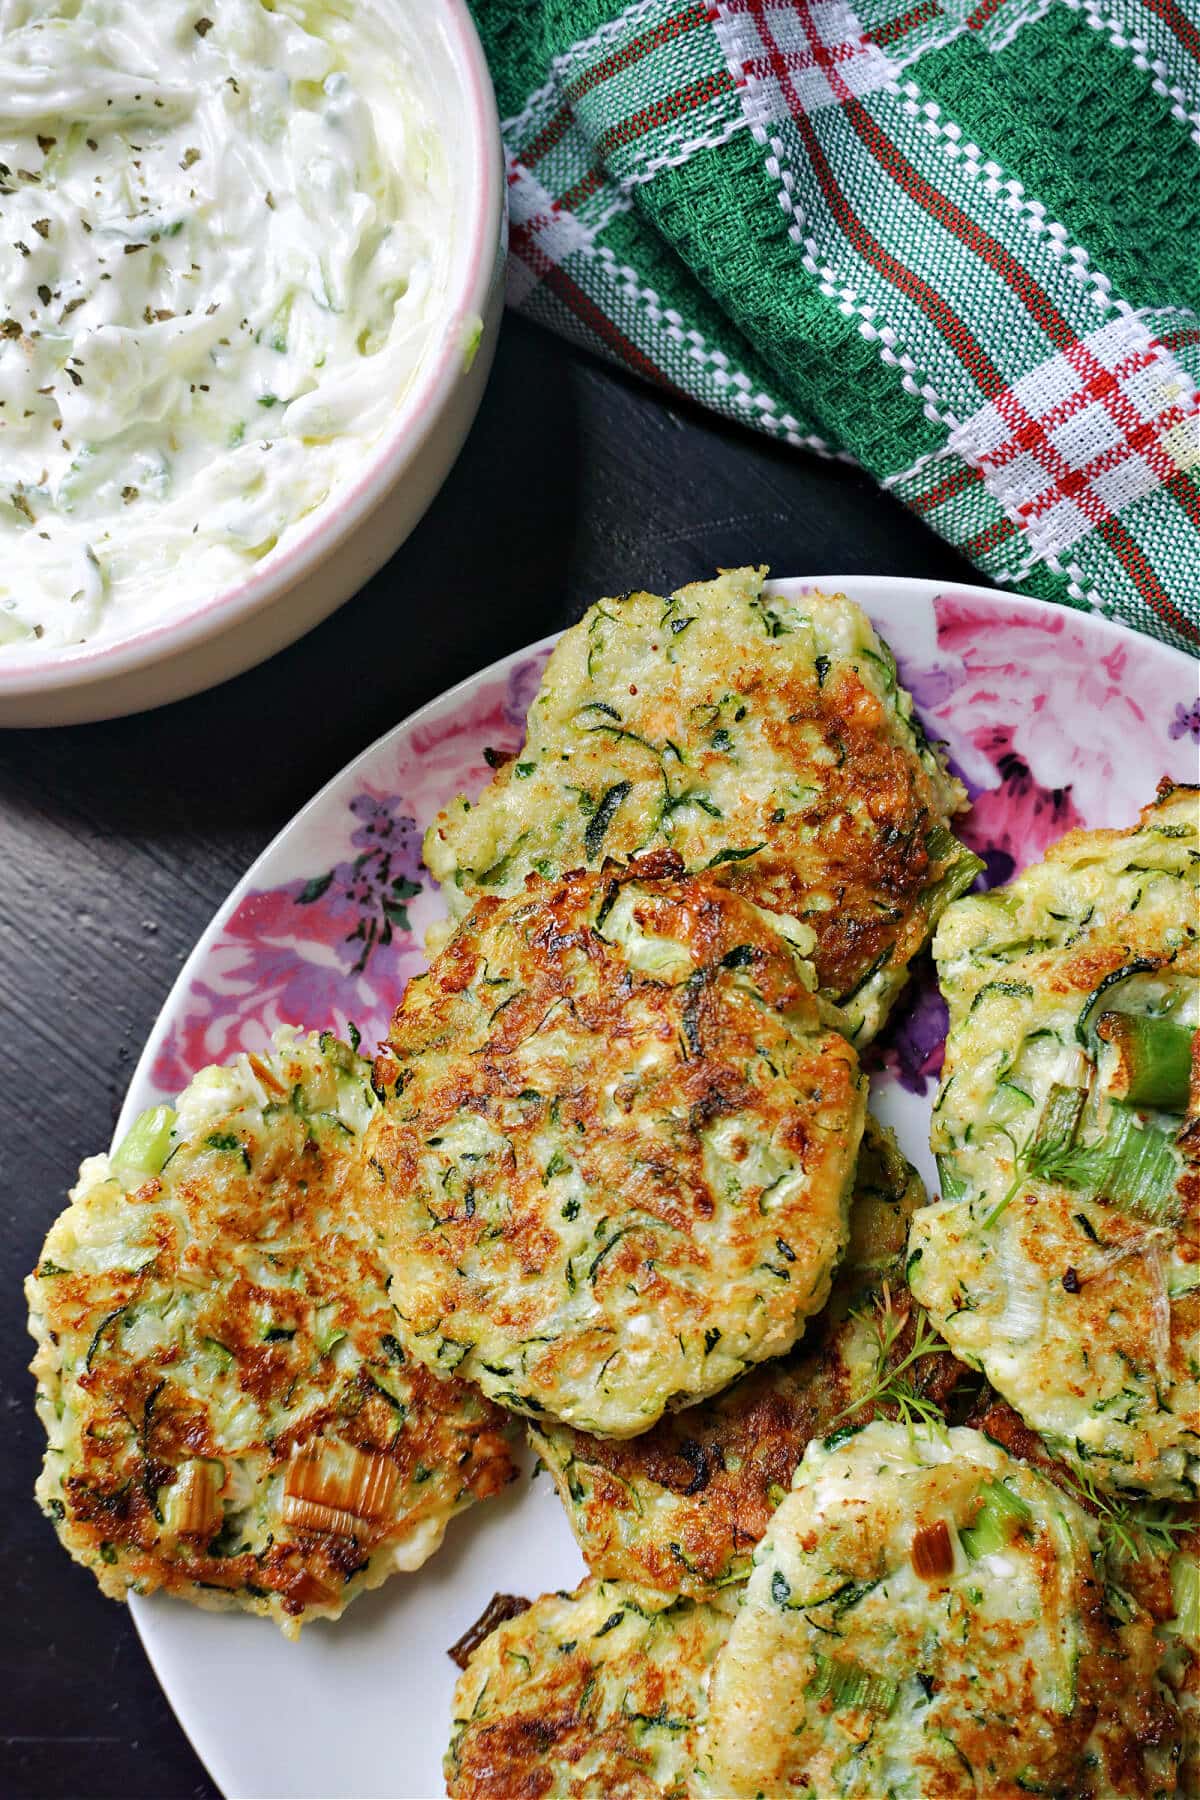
926 1612
624 1107
613 1172
925 1615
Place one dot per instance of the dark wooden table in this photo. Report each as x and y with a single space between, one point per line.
117 842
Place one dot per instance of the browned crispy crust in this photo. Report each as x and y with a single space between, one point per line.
113 1500
289 1190
594 1693
681 1507
726 1463
1139 1722
1147 1578
521 1757
621 1092
861 838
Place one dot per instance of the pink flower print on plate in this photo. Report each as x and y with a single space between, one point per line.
335 948
1039 708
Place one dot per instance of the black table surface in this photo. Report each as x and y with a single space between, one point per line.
119 840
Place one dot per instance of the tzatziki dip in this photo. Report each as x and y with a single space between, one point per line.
224 256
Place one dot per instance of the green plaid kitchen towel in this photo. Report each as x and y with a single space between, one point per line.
956 243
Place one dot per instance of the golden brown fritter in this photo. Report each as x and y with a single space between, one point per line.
765 739
681 1507
230 1415
926 1616
1151 1563
1064 1259
595 1695
614 1167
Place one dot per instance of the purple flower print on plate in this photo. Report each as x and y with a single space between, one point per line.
1186 722
911 1047
1037 710
371 894
335 948
1062 721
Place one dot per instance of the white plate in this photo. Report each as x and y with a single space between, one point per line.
1054 718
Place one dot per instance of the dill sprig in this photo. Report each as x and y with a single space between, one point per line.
892 1384
1132 1167
1069 1165
1132 1529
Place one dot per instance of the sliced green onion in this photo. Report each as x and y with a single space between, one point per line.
1185 1591
1002 1514
1154 1059
1052 1154
1142 1170
1060 1115
146 1145
1084 1029
954 880
1132 1167
1009 1505
940 843
983 1538
952 1184
848 1684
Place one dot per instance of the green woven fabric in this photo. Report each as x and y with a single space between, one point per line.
958 245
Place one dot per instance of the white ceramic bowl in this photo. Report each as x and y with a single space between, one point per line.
334 553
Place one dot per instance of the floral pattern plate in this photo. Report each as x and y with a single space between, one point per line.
1053 719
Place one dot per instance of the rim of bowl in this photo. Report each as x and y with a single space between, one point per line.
395 451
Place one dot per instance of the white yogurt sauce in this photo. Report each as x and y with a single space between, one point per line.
224 244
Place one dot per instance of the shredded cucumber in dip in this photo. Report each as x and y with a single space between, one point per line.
224 249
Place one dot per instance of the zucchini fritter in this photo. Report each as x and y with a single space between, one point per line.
615 1166
230 1415
595 1695
1065 1258
765 739
925 1617
1150 1557
1181 1656
681 1507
